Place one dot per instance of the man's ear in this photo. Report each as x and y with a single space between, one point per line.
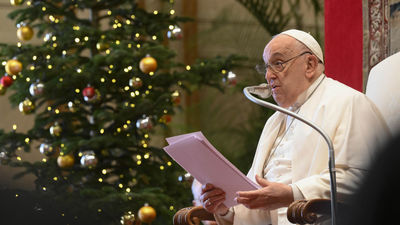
311 66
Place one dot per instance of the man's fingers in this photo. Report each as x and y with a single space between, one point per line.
261 181
248 194
211 195
206 187
243 200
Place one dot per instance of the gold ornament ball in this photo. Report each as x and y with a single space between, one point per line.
55 130
13 67
148 64
147 214
102 46
25 33
26 106
2 89
129 219
65 161
16 2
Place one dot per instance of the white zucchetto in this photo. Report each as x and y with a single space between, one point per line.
307 40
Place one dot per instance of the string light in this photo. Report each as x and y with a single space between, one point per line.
14 126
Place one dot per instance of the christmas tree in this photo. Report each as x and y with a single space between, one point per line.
99 83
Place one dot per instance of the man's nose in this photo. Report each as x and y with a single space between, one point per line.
269 75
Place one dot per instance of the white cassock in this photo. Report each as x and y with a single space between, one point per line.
298 155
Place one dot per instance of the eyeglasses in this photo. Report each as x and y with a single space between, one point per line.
277 66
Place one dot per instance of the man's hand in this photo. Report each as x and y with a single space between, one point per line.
270 196
212 199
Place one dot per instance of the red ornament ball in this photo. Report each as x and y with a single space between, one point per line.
6 81
89 92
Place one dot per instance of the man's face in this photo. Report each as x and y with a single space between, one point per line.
289 83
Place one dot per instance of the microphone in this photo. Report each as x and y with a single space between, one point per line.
265 90
262 90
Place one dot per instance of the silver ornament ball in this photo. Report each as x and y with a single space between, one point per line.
36 89
46 149
144 123
89 159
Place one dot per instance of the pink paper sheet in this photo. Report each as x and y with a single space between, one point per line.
198 157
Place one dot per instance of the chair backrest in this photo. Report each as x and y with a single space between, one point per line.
383 88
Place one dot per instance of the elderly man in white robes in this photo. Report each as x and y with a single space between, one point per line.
291 161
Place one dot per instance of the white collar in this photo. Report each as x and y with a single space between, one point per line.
302 98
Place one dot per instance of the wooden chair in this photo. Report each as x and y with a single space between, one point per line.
299 212
383 75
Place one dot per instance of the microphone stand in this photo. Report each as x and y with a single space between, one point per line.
331 153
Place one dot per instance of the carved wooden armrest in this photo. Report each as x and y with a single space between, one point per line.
308 211
192 216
